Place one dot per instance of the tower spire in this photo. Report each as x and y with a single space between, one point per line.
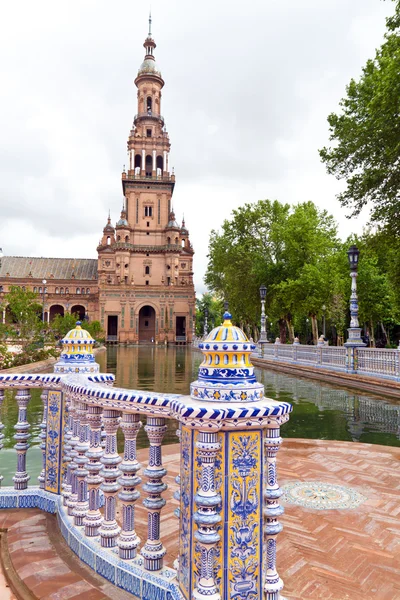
149 24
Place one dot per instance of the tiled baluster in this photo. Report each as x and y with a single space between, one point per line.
206 517
82 506
1 428
21 477
73 497
128 541
66 484
153 550
109 529
273 583
177 493
94 518
42 435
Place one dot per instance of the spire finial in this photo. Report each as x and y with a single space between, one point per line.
109 217
150 24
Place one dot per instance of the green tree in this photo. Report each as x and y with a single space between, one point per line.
61 324
25 311
215 311
287 248
366 135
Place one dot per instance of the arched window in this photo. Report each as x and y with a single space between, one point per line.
78 291
159 163
147 270
138 161
67 290
82 290
126 239
149 104
61 290
57 291
176 241
149 165
35 290
108 240
88 290
168 241
183 243
40 290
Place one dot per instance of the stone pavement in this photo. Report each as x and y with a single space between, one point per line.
334 554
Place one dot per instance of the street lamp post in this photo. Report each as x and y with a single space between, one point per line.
323 320
263 332
205 322
44 292
354 331
307 322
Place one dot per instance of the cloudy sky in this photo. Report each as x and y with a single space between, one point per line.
248 88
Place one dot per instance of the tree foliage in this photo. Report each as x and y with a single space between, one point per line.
296 253
366 135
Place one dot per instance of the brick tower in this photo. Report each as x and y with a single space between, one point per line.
145 262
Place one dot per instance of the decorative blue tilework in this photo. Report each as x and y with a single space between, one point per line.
104 568
129 582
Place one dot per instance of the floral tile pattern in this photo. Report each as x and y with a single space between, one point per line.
321 496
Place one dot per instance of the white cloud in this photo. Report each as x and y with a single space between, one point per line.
248 89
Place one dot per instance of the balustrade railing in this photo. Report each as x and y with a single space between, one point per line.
370 361
84 482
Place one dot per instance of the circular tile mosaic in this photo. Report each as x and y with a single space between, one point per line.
320 495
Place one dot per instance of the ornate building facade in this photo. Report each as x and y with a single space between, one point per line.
141 287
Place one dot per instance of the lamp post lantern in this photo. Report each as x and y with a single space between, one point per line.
323 320
44 292
263 332
205 322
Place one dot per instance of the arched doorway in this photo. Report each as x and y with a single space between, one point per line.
147 324
80 310
56 309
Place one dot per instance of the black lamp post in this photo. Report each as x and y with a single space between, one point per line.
263 332
354 331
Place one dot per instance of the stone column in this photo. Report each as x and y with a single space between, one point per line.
272 510
109 529
42 435
21 477
82 506
128 541
153 550
93 518
1 428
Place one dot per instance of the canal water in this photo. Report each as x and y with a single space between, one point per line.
320 411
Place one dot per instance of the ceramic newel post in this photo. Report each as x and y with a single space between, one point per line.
229 440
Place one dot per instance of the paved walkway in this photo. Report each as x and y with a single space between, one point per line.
336 554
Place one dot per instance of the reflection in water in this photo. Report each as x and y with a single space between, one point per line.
321 411
325 412
152 368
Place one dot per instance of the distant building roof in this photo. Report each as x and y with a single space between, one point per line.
42 268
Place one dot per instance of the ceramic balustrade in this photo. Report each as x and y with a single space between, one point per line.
370 361
1 427
229 437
